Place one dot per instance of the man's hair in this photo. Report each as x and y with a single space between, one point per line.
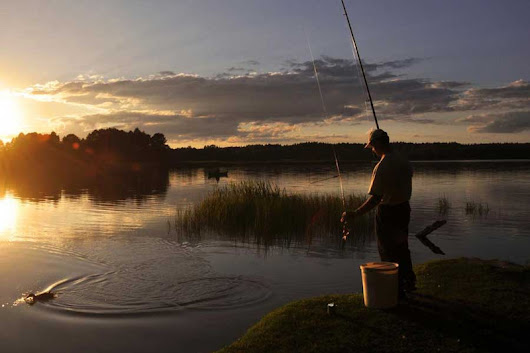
384 140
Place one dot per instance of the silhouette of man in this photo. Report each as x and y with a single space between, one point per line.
390 191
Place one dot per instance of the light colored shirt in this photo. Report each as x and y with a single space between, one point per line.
392 179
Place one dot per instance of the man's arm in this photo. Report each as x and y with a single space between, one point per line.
366 207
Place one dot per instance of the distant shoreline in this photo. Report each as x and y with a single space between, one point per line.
321 161
106 151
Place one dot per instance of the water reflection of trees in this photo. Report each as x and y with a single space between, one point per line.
136 186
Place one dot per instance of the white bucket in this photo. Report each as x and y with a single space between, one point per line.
380 284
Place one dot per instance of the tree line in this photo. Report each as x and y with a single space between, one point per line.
111 150
323 152
102 152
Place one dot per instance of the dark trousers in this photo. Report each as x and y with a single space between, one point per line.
392 229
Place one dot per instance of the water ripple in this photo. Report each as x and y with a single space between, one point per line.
113 294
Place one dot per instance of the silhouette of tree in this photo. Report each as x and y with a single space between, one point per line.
71 141
158 142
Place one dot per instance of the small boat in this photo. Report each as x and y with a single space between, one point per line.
217 174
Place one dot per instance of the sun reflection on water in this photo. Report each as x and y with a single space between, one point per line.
8 217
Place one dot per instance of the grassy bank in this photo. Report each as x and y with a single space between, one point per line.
268 214
462 305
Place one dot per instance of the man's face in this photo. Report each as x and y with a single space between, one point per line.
376 148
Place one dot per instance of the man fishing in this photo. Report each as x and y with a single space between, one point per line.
390 191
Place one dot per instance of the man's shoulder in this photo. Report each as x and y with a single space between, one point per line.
396 157
381 167
378 165
393 161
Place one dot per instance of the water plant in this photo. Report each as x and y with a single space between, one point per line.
262 212
477 208
443 205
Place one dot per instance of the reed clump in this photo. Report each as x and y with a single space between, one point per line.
477 208
443 205
261 210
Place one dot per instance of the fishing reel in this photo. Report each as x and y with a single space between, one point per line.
345 231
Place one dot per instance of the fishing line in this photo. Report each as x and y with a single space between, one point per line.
345 230
361 83
316 76
340 179
324 179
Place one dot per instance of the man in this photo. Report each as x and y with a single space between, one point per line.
390 191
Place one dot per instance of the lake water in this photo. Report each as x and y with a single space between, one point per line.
126 282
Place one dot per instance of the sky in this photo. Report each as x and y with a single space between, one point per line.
238 72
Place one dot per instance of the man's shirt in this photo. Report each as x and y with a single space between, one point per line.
392 179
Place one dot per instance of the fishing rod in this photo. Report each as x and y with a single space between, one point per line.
324 179
356 54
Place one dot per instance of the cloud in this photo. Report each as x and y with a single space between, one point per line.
240 104
175 125
516 95
289 96
399 64
266 132
250 63
233 69
167 73
507 123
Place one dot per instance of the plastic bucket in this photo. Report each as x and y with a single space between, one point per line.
380 284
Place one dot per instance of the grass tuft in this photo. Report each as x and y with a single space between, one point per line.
476 208
443 205
262 210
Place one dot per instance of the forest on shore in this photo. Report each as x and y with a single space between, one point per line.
105 151
349 152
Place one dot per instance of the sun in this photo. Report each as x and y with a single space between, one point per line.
10 115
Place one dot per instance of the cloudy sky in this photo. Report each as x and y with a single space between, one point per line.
236 72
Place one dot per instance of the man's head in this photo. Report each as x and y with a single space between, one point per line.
378 141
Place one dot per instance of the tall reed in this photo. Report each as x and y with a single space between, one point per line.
260 211
477 208
443 205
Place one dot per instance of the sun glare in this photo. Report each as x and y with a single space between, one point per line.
10 116
8 215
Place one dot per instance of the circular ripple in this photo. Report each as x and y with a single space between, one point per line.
112 293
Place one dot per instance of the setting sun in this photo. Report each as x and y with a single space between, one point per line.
10 115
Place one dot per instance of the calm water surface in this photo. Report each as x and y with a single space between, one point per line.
127 282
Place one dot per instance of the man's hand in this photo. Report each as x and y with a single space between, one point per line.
347 217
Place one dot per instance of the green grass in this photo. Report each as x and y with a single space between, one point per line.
263 211
462 305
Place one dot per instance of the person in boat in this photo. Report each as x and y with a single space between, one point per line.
390 191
